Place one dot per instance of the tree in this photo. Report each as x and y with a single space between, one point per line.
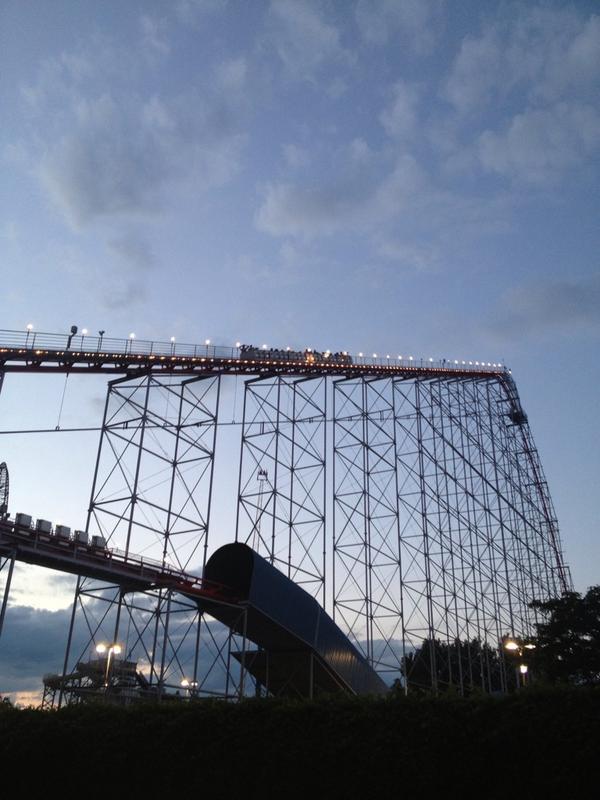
568 640
5 704
463 666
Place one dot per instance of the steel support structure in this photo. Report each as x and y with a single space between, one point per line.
151 495
418 515
443 526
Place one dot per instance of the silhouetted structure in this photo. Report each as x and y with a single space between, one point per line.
407 497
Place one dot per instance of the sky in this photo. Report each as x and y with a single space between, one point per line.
366 175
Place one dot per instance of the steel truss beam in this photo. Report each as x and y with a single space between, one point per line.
151 496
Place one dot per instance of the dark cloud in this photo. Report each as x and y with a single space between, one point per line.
125 296
567 306
131 261
354 198
120 152
133 252
33 643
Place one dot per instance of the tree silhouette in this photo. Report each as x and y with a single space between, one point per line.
461 666
568 640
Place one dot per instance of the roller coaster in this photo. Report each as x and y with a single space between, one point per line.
403 497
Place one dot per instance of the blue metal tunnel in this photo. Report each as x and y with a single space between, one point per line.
302 651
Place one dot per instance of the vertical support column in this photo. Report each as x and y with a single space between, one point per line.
366 558
418 512
477 512
8 564
425 529
489 522
447 526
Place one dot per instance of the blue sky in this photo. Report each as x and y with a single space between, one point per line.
412 176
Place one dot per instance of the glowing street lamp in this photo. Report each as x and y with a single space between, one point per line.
518 647
110 650
189 686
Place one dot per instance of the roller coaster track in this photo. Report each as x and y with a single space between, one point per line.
106 564
49 352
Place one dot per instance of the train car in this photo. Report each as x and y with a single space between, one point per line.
308 356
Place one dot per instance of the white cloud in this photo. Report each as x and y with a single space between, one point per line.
475 71
153 36
399 118
107 142
422 257
350 201
231 74
156 116
359 150
303 39
544 308
539 145
289 210
117 154
525 93
191 12
583 56
9 230
133 251
337 88
544 54
405 186
295 156
411 20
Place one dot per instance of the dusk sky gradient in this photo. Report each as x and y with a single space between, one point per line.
391 176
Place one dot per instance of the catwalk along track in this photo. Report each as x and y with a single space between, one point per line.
77 353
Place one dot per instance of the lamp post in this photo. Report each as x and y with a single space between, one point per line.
518 647
110 650
190 686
